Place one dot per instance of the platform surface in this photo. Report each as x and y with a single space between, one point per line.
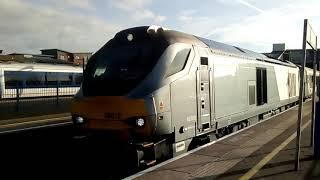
34 122
235 156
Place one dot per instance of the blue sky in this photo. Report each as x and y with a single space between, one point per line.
85 25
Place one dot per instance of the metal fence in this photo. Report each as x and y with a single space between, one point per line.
25 102
38 92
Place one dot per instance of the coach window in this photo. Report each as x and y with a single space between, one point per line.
51 79
261 75
35 79
179 62
13 79
78 78
65 79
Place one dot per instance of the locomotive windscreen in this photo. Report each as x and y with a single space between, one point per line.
122 63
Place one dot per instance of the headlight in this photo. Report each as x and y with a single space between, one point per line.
78 119
140 122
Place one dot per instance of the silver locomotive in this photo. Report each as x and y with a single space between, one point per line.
166 92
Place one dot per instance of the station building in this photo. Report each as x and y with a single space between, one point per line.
53 56
295 56
30 58
76 58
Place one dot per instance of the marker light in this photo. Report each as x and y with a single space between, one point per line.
130 37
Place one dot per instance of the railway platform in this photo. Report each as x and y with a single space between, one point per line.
34 122
263 151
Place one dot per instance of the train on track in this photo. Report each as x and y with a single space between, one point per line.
32 80
165 92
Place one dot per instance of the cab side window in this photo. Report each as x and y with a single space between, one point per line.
179 62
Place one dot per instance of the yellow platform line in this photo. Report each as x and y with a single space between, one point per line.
267 158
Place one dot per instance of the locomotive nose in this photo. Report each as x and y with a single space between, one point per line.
114 113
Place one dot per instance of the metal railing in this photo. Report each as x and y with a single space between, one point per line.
24 102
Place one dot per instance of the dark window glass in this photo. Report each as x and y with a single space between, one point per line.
122 66
13 79
204 61
25 79
35 79
259 86
179 62
51 79
78 79
265 94
117 70
262 93
65 79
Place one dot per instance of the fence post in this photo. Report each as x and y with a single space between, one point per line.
82 65
316 146
57 90
313 97
17 97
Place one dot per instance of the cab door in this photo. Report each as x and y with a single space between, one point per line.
204 93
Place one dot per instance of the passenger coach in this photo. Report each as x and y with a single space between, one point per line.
164 91
33 80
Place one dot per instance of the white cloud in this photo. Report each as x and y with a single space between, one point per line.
160 18
245 3
82 4
281 24
25 27
138 10
189 12
130 5
147 14
189 21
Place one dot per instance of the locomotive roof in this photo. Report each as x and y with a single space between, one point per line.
231 49
172 36
28 66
